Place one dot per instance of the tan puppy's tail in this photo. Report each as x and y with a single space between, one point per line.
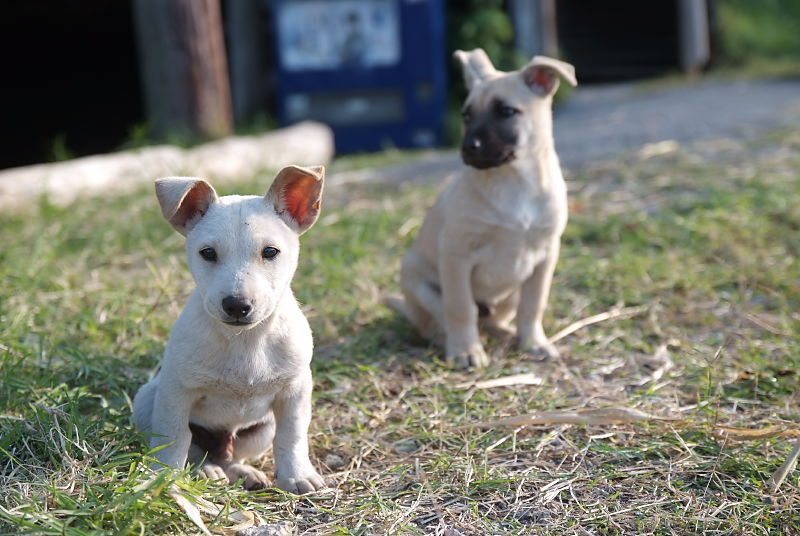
395 302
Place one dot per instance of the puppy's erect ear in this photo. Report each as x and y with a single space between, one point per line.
476 64
184 200
296 195
541 74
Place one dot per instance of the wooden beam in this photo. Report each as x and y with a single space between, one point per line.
535 29
184 67
695 48
245 29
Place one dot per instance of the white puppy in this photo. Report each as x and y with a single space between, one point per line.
235 378
487 249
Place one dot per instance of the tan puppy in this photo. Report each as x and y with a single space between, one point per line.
487 249
235 379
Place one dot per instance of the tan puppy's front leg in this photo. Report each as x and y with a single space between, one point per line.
460 312
170 425
500 323
533 300
292 409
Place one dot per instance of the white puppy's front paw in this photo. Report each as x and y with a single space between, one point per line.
473 357
253 478
212 471
301 482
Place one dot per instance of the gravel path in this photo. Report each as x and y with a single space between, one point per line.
598 122
601 121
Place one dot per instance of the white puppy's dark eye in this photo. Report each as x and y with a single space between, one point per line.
466 115
208 254
269 252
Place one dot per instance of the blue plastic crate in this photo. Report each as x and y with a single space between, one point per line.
374 70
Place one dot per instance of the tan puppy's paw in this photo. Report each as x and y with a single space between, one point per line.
543 351
500 332
474 357
305 482
253 478
212 471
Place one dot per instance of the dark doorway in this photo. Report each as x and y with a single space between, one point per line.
619 39
70 80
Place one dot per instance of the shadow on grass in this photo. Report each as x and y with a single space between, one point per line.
382 341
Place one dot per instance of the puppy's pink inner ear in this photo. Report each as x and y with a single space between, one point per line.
301 200
542 79
193 206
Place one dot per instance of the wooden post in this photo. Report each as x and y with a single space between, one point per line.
534 26
184 68
695 49
244 20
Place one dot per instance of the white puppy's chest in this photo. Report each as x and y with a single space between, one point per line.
218 410
229 404
238 388
248 374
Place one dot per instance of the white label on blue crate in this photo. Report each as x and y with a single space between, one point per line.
335 34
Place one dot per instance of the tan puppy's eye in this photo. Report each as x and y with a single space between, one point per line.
208 254
270 252
506 111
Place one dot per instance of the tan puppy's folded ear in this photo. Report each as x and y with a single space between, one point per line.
541 74
476 65
296 195
184 200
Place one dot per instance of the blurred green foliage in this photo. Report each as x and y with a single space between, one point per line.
484 24
476 24
757 30
59 150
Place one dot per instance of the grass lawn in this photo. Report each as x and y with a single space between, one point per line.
702 241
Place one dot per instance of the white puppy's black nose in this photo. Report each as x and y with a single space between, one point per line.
236 307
